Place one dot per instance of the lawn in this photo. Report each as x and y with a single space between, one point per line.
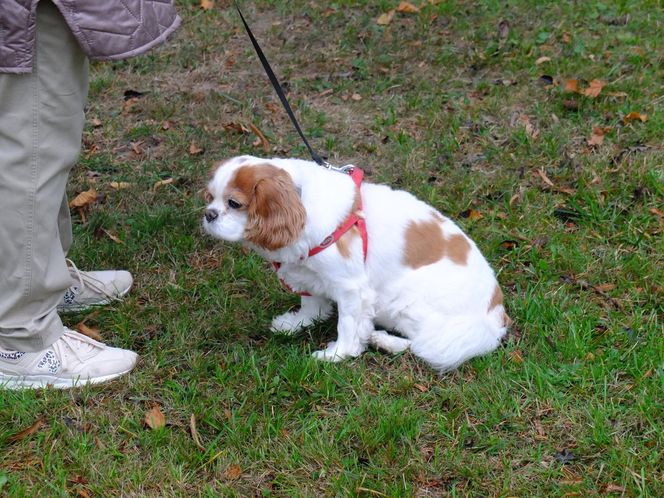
538 126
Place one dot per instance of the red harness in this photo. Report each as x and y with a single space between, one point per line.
355 218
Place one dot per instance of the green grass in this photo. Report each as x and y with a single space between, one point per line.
570 406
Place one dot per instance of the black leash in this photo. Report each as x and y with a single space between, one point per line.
279 90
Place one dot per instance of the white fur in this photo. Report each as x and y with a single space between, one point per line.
440 311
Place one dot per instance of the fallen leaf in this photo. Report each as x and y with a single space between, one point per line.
604 287
571 105
19 436
470 214
421 387
531 130
194 149
594 88
356 97
657 212
207 4
194 432
166 125
120 185
160 183
113 237
232 472
597 136
545 178
96 122
128 105
154 418
236 128
91 332
542 60
407 7
634 116
261 140
612 488
136 147
516 356
571 86
385 18
503 31
566 38
84 199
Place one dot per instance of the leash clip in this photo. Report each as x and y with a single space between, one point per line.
348 169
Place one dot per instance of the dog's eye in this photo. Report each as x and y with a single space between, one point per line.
233 204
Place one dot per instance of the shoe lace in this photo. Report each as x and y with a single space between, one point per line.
78 344
86 280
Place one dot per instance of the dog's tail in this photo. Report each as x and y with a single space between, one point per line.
447 345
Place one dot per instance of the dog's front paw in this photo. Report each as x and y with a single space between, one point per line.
289 323
335 353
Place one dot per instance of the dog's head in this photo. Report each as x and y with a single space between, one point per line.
253 200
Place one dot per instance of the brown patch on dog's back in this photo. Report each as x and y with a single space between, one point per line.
458 249
426 244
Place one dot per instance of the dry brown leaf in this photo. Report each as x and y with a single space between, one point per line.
194 149
421 387
194 432
160 183
515 356
91 332
604 287
112 236
531 130
542 60
154 418
545 178
128 105
356 97
166 125
136 147
96 122
120 185
19 436
261 140
594 88
613 488
407 8
657 212
635 116
236 128
84 199
385 18
571 86
232 472
597 136
207 4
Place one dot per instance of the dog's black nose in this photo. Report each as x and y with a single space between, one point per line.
211 215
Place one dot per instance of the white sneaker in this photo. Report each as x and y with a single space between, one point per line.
94 288
73 360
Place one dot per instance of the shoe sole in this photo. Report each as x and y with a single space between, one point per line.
76 308
44 381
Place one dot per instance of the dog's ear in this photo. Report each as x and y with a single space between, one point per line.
276 214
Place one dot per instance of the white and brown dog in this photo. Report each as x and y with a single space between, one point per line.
385 258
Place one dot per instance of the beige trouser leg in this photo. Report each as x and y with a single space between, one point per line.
41 121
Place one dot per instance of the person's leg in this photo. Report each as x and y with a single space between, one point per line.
41 122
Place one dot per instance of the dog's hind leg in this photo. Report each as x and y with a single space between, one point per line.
387 342
313 308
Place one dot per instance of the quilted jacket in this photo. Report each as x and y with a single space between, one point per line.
105 29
